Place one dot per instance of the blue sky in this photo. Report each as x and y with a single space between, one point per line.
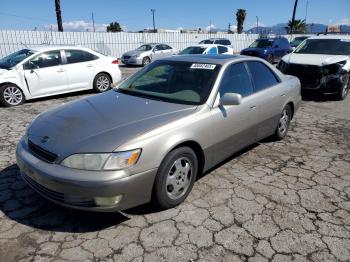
136 14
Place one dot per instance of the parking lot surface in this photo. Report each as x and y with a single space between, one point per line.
275 201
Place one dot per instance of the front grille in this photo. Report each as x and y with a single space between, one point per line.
57 196
41 152
309 75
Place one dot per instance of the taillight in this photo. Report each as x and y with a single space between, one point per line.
115 62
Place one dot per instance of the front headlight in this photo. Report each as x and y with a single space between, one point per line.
136 56
104 161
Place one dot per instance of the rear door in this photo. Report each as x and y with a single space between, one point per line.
235 126
158 52
80 67
270 96
167 50
45 74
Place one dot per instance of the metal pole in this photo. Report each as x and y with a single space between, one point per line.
154 25
257 25
93 21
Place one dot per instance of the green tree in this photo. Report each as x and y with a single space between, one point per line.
240 17
58 15
114 27
299 27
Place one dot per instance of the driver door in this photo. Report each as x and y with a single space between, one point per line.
158 52
45 74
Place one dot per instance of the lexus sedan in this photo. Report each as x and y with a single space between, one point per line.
149 138
147 53
51 70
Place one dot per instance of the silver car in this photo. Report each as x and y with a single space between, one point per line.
147 53
150 137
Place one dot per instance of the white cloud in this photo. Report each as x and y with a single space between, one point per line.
80 26
233 28
344 21
210 27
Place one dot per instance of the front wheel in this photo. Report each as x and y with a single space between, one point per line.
270 59
175 178
343 91
146 61
283 123
11 95
102 82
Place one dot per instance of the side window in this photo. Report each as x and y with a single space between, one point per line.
262 76
74 56
226 42
47 59
222 49
89 56
166 47
212 51
236 80
157 48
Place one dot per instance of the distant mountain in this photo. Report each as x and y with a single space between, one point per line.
282 29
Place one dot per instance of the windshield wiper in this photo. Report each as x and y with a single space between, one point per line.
138 94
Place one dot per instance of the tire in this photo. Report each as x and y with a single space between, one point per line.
102 82
11 95
344 89
175 178
270 59
283 123
146 61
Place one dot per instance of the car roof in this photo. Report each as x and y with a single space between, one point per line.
43 48
211 59
330 36
215 38
206 45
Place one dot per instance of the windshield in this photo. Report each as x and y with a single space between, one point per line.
297 41
262 43
144 48
324 46
13 59
207 42
173 81
192 50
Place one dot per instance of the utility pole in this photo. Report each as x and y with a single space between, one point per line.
257 24
93 21
154 25
293 17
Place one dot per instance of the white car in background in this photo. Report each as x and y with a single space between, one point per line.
211 49
44 71
322 63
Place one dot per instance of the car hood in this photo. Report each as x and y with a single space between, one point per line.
101 123
255 49
313 59
134 52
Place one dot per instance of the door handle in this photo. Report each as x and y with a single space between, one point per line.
60 70
252 107
283 95
90 65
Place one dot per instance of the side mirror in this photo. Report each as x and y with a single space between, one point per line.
231 99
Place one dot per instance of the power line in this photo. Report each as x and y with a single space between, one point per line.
24 17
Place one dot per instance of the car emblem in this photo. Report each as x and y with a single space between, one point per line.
44 139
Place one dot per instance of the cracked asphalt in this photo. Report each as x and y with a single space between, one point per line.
275 201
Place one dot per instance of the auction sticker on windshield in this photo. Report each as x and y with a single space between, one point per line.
203 66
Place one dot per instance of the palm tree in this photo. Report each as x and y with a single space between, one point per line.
240 16
58 15
299 27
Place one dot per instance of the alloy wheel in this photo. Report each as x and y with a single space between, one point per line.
283 122
102 83
13 95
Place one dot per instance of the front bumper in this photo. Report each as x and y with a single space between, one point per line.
75 192
132 61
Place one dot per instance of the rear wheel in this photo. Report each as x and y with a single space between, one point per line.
343 91
283 123
11 95
175 178
102 82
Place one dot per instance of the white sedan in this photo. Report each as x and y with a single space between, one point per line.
47 70
210 49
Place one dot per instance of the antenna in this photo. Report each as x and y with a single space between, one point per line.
93 21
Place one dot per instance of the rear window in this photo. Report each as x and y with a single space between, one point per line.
262 76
